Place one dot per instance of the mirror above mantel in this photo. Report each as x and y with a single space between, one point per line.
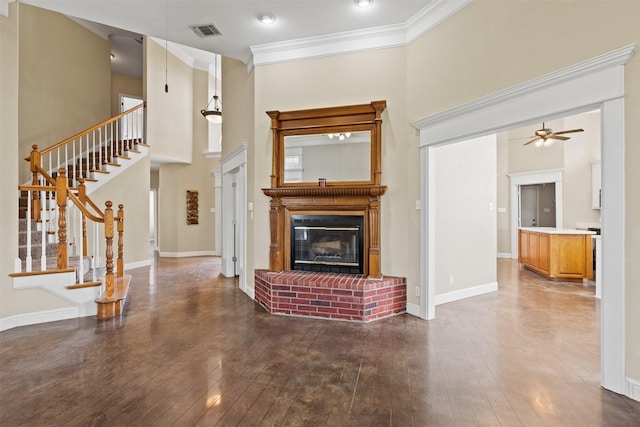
340 146
336 156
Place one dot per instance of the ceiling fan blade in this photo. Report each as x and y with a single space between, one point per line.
561 138
568 131
530 142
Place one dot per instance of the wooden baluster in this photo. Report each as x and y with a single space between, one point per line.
62 256
34 162
108 235
82 195
120 272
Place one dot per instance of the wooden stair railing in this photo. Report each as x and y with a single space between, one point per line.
61 171
110 303
89 152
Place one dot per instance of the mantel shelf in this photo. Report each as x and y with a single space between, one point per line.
341 191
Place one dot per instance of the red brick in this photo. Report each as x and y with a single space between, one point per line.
304 301
341 304
327 310
342 292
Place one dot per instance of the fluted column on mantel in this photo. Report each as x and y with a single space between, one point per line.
374 238
276 224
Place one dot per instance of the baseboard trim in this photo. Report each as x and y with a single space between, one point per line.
466 293
413 309
633 389
39 317
504 255
186 254
132 265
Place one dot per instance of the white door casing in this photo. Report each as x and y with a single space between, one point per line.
591 84
234 173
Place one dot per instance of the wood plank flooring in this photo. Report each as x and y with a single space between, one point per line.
191 349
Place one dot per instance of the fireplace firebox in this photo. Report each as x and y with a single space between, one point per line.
327 243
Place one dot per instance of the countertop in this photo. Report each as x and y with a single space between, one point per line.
553 230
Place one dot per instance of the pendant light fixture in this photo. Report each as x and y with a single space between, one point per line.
214 115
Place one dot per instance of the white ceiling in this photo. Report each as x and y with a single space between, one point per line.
238 23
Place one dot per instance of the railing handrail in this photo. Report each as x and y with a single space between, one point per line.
91 129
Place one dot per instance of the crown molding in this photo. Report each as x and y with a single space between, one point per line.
356 41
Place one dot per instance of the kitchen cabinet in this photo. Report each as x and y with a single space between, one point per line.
596 185
558 254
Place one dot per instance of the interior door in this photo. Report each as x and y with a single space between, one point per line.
528 206
130 126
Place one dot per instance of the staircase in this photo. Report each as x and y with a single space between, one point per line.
65 242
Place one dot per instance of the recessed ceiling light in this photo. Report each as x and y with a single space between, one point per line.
112 55
266 18
364 3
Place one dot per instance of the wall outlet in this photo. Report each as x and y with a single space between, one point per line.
450 280
417 291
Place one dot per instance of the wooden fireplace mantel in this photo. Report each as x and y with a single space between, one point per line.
334 198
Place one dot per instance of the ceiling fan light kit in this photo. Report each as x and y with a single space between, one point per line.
545 137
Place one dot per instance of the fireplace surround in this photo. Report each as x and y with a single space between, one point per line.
317 269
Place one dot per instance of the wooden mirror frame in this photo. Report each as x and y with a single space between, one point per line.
326 120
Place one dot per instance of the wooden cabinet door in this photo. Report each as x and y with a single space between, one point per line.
544 257
534 249
523 253
569 255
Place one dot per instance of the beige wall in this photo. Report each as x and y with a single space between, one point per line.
238 107
12 301
123 85
170 114
582 149
465 215
65 79
175 235
131 188
42 100
464 58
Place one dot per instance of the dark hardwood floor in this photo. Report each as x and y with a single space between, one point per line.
191 349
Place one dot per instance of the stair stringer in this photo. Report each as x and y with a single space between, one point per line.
123 165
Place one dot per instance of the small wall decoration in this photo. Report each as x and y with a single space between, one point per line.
192 207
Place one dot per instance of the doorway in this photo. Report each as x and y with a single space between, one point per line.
595 83
538 205
234 218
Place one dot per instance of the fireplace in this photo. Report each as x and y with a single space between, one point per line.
327 243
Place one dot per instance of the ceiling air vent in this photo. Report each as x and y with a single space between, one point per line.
205 30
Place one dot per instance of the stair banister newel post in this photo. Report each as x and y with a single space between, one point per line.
120 272
61 200
34 162
82 195
108 234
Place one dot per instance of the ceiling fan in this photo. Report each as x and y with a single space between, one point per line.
545 137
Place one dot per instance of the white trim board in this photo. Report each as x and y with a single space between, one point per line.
466 293
633 389
591 84
185 254
26 319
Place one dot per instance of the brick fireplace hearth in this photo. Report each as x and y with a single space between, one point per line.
330 295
